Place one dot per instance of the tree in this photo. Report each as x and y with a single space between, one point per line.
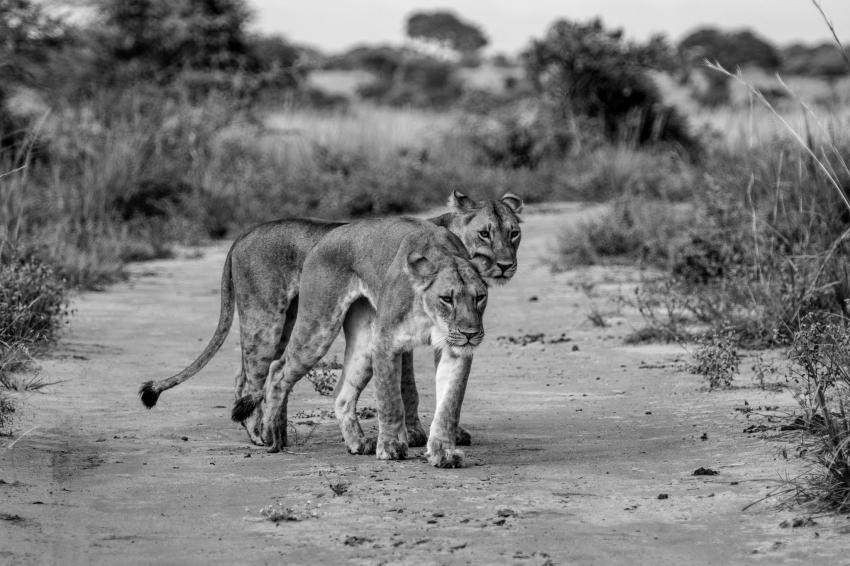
584 69
274 55
823 60
172 35
446 30
731 49
28 36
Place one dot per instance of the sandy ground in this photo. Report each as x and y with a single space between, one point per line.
574 444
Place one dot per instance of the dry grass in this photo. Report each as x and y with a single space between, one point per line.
375 133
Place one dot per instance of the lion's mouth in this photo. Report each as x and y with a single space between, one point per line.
500 279
461 340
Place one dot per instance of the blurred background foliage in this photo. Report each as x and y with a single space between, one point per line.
128 126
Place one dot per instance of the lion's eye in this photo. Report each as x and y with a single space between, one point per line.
445 299
480 298
484 234
514 234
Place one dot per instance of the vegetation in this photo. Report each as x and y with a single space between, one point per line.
717 360
820 353
446 30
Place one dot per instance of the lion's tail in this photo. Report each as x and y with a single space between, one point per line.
150 391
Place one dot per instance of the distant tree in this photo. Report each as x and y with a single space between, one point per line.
587 70
823 60
27 34
731 49
171 35
274 55
382 60
447 30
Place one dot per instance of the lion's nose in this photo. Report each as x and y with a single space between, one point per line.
504 266
469 335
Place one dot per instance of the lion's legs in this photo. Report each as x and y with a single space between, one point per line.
356 373
451 377
260 333
311 337
392 433
462 436
416 435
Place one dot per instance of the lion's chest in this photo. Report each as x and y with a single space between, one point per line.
414 330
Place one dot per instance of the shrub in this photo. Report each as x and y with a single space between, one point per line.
33 301
587 70
33 306
716 359
820 352
516 136
630 229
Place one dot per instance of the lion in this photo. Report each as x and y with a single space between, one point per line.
261 278
418 287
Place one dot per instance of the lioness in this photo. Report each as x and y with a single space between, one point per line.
261 278
420 287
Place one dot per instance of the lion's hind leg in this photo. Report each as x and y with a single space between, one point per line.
264 334
319 321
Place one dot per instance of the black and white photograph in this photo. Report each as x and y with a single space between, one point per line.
424 282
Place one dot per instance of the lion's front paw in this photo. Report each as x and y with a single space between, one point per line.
441 456
462 437
416 436
391 449
365 445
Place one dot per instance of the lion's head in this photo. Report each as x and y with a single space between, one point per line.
490 232
452 292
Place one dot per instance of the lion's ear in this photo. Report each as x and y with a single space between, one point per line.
460 202
420 268
513 202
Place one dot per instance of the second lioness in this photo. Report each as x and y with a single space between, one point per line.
261 279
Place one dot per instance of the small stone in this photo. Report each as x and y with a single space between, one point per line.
705 472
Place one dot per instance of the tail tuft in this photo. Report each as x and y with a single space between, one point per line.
244 406
148 394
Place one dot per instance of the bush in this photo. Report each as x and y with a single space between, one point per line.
630 229
33 301
516 136
820 352
716 359
420 82
586 70
7 413
33 307
762 263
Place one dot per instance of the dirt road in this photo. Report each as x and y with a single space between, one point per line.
583 449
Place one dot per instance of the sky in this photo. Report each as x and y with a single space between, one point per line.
335 25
